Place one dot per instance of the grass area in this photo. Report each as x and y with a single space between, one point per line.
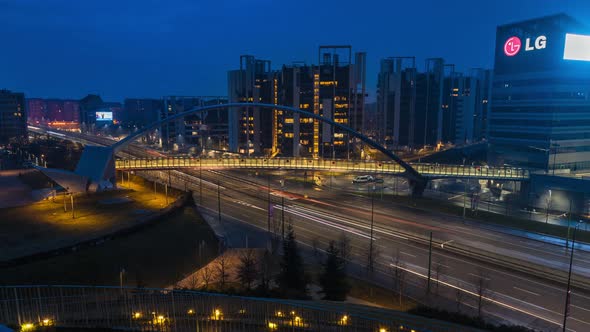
44 225
156 256
434 205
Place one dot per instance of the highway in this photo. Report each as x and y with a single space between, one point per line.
320 218
400 235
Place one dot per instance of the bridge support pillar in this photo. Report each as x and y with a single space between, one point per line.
417 187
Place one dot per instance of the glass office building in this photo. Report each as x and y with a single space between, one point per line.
540 110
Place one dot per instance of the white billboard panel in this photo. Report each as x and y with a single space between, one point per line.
577 47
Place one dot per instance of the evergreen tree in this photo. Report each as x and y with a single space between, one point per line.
291 279
335 287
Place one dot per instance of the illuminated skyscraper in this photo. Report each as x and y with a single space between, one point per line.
540 110
253 130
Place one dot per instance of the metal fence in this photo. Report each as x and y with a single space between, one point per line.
149 309
337 165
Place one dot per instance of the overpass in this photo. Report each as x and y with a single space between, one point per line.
430 171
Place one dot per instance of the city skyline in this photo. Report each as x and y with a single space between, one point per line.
182 55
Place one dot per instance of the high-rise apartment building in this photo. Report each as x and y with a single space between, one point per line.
409 103
465 105
439 105
428 111
206 130
339 92
334 89
540 109
253 130
297 90
13 117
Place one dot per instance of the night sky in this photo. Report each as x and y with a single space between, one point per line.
143 48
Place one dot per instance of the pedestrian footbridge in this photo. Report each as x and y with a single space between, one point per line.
431 171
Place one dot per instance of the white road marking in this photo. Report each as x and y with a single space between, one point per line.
526 291
480 276
249 205
578 320
442 245
575 306
506 305
405 253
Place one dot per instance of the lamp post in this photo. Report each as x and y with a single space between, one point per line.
268 197
218 202
464 191
372 222
569 279
548 207
72 200
283 209
554 146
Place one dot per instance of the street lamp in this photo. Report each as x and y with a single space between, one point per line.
554 146
569 278
548 207
372 222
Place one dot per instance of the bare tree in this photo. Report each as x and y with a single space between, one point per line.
206 276
222 268
482 286
399 276
459 298
192 282
247 270
439 269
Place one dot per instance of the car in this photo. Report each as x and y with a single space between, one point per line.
378 180
363 179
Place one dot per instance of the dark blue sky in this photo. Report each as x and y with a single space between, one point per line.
151 48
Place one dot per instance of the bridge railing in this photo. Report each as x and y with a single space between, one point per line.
336 165
150 309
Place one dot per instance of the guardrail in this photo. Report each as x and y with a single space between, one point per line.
152 309
336 165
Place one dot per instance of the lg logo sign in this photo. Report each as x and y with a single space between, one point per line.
513 45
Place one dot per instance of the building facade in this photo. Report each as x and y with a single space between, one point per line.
540 110
139 112
416 108
13 117
196 132
252 130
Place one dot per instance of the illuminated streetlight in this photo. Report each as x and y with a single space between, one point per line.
46 322
343 320
217 315
27 327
